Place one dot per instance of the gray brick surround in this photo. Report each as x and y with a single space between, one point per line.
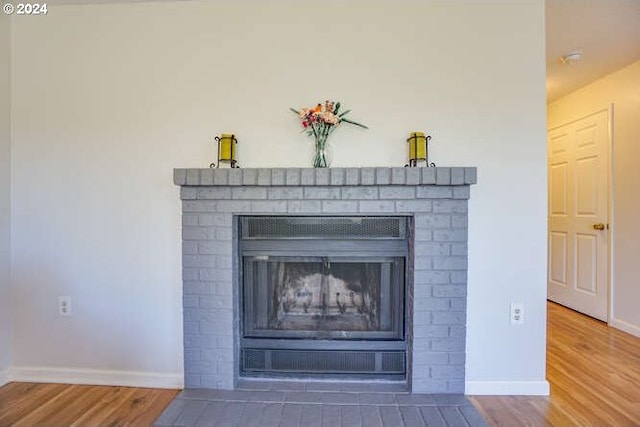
436 198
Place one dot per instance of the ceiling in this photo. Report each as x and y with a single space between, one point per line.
607 32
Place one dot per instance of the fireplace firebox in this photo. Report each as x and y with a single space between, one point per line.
323 296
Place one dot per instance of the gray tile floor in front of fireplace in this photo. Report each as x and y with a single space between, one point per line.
318 404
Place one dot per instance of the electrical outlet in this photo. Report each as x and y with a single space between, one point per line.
64 306
517 313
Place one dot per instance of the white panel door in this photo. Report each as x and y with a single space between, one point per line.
578 215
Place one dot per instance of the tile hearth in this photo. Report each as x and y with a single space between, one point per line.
290 404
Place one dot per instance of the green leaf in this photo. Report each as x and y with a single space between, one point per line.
344 113
336 108
294 110
355 123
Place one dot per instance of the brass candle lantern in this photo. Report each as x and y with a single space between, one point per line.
226 150
418 149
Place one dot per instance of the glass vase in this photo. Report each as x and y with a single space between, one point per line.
321 154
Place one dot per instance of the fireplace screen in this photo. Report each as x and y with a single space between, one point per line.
323 295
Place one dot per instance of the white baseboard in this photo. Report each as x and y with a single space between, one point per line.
176 381
506 388
626 327
4 377
96 377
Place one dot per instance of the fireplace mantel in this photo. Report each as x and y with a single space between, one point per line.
434 198
261 177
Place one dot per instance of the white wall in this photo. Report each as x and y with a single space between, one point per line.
621 88
109 98
5 196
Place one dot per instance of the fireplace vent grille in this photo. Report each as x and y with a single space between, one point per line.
338 362
323 227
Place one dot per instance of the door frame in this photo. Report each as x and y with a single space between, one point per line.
610 201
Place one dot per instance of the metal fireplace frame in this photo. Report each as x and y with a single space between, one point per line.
380 240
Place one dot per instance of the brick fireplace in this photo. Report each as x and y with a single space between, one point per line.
433 199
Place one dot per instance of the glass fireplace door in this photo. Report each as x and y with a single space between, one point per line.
323 297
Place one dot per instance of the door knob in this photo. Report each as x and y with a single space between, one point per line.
598 226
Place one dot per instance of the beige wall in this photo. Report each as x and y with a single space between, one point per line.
621 88
5 192
109 98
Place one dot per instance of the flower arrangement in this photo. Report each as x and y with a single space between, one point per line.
319 122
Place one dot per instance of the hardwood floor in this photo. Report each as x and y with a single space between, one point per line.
594 373
52 405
